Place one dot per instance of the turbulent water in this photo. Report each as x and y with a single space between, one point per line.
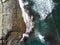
43 7
40 16
27 19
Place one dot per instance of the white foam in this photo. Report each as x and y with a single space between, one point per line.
27 19
39 36
3 0
26 3
43 7
24 35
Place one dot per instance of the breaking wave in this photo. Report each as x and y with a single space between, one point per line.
43 7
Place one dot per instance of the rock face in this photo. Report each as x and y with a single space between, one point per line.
13 24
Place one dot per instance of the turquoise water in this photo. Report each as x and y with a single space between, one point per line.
51 24
34 42
49 28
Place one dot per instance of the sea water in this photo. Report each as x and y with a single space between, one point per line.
45 23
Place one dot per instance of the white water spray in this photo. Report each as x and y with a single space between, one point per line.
39 36
27 19
43 7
